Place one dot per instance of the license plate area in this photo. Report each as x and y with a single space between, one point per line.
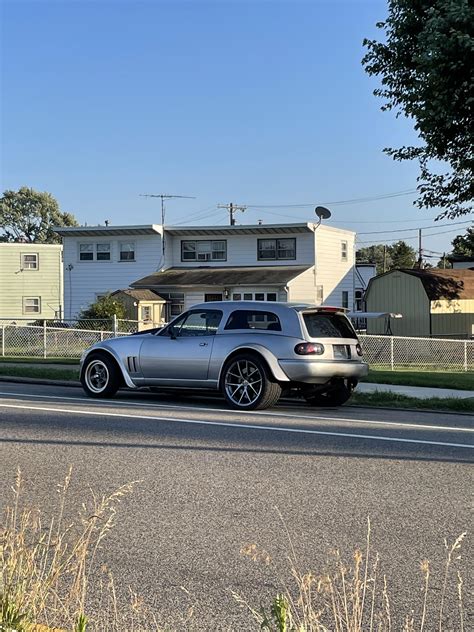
342 352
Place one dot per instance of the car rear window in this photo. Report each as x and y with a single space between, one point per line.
253 319
324 325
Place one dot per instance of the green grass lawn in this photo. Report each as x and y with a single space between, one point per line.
34 360
45 372
394 400
460 380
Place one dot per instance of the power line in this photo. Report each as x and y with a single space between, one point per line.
406 230
372 198
196 219
349 221
388 241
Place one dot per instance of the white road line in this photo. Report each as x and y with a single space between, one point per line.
250 413
223 424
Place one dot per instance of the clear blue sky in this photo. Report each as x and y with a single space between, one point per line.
254 102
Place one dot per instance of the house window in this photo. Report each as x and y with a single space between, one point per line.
345 299
127 251
99 252
344 250
215 250
276 249
236 297
103 252
359 297
86 252
29 262
271 296
259 296
319 294
248 296
31 305
174 303
146 313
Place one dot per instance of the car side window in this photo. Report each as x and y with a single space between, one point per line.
200 323
253 319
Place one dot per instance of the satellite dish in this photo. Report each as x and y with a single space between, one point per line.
322 212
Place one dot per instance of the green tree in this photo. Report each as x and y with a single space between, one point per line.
402 255
104 307
29 215
464 244
426 68
378 254
388 257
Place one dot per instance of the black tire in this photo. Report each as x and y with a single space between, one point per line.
335 396
247 373
107 378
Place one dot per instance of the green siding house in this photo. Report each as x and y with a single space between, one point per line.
432 302
31 281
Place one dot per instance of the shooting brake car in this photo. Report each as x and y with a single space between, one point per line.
250 351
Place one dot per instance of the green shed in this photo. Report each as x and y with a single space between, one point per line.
433 302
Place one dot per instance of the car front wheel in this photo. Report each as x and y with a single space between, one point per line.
100 376
247 385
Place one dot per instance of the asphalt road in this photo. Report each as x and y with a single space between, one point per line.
213 481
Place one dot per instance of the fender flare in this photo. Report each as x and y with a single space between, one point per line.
126 378
269 358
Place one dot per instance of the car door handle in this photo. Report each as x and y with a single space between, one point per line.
203 344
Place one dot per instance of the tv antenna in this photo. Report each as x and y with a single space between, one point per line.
163 197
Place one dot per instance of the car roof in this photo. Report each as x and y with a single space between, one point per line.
267 305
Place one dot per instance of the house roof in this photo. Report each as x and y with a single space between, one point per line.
441 284
103 231
141 295
241 229
207 276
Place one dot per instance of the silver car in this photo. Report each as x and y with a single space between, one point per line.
250 351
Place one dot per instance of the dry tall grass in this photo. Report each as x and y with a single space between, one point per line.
354 596
49 574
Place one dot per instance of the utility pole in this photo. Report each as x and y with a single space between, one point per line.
232 208
420 251
384 259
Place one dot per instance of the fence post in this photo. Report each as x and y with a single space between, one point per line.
391 353
101 336
114 325
3 340
45 340
465 355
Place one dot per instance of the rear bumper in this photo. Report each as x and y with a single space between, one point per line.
320 371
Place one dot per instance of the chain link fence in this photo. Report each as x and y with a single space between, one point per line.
68 339
427 354
61 338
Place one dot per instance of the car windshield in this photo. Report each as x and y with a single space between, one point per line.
328 325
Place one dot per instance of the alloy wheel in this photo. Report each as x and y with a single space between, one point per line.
97 376
243 382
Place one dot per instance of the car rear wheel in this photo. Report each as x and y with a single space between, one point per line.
337 395
100 376
247 384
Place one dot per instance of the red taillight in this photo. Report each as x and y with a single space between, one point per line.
309 348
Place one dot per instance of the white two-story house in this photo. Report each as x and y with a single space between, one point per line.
100 259
185 265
